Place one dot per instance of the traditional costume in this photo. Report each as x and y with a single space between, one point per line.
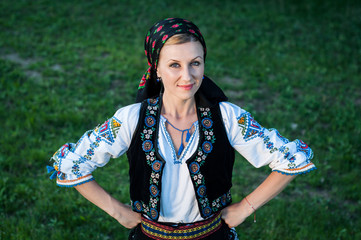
180 195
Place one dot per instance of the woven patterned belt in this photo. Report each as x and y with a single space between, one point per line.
194 231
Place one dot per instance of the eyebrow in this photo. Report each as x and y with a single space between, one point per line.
178 60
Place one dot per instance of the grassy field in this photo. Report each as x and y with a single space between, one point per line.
66 66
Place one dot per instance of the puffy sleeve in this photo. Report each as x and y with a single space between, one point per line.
262 146
73 164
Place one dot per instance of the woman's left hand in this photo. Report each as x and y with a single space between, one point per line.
236 213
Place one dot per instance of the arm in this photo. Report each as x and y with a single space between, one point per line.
236 213
119 211
261 146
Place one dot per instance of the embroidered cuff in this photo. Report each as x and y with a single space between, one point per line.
74 182
296 171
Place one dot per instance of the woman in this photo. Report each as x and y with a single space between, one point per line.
180 139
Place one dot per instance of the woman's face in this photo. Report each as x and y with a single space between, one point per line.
181 67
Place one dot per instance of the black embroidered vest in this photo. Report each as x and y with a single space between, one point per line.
210 167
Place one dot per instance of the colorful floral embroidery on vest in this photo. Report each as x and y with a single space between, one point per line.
221 201
138 206
195 167
148 147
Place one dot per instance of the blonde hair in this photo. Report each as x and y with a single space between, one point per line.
181 38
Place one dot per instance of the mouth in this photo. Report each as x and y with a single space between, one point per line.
186 87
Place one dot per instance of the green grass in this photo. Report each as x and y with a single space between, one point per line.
66 67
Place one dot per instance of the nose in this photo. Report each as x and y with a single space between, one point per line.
187 74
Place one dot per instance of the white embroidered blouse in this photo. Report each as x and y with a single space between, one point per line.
74 163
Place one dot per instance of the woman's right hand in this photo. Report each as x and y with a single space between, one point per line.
127 217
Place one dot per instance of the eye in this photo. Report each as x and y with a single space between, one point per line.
196 63
174 65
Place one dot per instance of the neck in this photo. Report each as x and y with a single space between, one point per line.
178 108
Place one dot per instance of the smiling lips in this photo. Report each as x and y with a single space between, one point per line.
186 87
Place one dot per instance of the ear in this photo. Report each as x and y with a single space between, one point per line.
158 74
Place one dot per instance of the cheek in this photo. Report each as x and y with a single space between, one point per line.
164 71
169 75
200 72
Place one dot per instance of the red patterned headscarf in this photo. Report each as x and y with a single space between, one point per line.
155 39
